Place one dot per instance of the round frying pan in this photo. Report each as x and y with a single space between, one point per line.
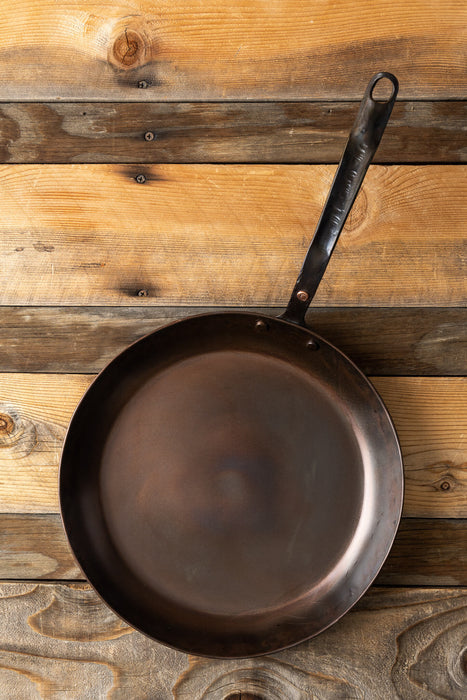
231 483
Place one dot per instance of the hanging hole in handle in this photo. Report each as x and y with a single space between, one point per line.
383 90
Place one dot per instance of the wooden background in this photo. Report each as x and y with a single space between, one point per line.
235 114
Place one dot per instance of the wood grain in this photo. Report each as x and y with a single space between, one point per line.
395 643
426 552
246 132
35 546
419 341
226 235
429 414
210 50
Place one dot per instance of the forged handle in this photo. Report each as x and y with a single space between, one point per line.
361 146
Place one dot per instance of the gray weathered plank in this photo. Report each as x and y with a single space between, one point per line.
426 552
247 132
61 641
426 341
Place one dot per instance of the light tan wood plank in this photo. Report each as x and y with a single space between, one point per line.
388 341
394 644
426 552
430 415
222 132
232 234
213 50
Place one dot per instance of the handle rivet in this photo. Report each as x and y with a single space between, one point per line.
302 295
261 325
312 344
140 179
149 136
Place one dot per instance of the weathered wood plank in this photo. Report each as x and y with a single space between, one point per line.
35 546
426 552
60 640
247 132
210 50
226 235
430 415
414 341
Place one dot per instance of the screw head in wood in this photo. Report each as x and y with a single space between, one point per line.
140 179
143 84
149 136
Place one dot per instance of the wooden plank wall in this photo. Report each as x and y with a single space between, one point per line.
164 158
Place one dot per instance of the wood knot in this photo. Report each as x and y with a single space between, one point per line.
18 435
446 482
7 424
128 49
133 46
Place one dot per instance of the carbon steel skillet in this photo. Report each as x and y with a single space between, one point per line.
231 484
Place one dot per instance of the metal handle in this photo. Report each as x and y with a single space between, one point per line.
361 146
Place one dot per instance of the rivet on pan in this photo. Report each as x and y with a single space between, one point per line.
261 325
312 344
140 179
302 295
149 136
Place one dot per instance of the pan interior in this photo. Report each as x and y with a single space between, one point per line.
232 482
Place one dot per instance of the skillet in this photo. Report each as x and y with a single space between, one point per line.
231 484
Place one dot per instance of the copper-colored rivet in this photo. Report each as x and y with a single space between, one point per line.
445 486
149 136
302 295
140 179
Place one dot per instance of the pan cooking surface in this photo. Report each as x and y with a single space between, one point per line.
232 482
